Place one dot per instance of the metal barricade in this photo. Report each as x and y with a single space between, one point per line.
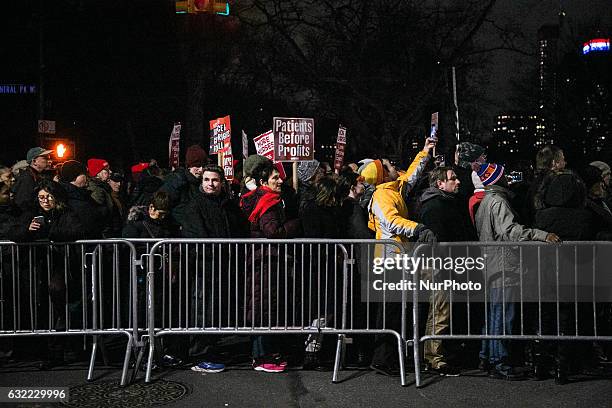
522 291
266 287
59 290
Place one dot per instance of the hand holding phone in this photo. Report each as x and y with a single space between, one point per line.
36 223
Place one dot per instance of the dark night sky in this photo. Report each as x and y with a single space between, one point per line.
120 47
529 15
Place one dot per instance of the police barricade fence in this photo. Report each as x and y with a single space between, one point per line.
66 290
311 287
500 291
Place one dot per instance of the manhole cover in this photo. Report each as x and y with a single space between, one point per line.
110 394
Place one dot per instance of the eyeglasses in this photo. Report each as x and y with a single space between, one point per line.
45 198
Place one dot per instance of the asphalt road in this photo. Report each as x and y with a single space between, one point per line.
242 387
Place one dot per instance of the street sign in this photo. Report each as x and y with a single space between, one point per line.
46 126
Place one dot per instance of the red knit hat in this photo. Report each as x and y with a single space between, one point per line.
95 166
139 168
195 157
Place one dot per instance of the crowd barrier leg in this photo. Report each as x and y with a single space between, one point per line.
92 359
337 361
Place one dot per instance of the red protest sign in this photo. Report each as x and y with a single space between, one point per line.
220 129
293 139
264 146
227 159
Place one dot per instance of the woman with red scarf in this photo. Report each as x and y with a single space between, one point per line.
265 210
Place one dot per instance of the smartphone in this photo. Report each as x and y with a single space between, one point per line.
515 177
39 219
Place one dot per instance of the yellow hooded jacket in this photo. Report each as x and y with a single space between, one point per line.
388 213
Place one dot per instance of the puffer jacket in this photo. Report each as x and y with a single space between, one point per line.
496 221
388 213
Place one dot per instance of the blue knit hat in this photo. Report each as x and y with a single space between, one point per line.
490 173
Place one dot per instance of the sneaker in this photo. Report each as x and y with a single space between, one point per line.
170 361
382 369
506 373
447 370
269 366
208 367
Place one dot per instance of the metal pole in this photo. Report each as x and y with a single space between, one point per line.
456 105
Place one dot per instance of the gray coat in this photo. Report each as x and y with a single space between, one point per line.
496 221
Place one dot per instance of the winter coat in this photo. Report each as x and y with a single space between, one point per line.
214 217
388 213
24 189
59 226
144 189
353 221
320 222
182 187
602 216
91 214
496 221
10 224
562 208
101 193
265 211
140 225
272 224
443 213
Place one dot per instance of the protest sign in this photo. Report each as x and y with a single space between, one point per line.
220 129
264 146
174 145
227 158
340 146
245 145
434 126
293 139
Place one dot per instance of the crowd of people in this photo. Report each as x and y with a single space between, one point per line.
470 200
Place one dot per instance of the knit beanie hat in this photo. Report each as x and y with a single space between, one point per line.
469 153
95 166
373 172
605 169
252 163
195 157
307 169
490 173
70 170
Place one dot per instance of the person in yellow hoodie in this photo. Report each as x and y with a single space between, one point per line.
388 212
389 219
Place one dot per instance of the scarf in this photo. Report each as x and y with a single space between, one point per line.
268 200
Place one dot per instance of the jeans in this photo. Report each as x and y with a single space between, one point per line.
500 321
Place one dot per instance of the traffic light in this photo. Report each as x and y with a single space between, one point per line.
202 6
61 150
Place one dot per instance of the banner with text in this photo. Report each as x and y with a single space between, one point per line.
340 146
220 129
264 146
174 146
293 139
